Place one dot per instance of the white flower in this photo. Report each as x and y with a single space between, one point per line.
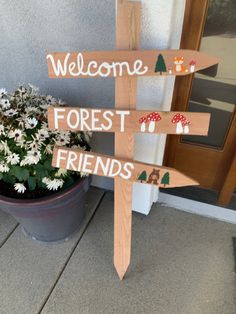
78 147
50 100
13 159
2 92
44 125
63 138
4 167
17 134
87 135
31 109
34 89
31 123
48 149
61 102
10 113
22 119
53 184
79 136
61 173
44 105
19 187
42 134
22 90
21 143
4 148
5 103
35 144
32 158
84 174
45 180
2 130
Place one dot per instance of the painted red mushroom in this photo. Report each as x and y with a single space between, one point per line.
143 122
178 119
192 65
186 126
153 118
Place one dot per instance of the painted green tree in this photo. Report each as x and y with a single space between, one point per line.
143 176
166 179
160 65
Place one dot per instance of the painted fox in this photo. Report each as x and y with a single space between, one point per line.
178 65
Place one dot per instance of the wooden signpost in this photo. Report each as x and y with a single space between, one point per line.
122 63
128 121
134 171
125 64
128 17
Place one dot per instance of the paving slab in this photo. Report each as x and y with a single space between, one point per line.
29 270
7 226
181 264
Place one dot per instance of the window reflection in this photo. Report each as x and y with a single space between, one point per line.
217 94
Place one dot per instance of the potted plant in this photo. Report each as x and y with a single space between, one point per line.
48 202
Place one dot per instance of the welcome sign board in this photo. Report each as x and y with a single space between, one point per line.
130 121
126 63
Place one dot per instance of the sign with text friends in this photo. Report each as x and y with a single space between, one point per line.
112 167
121 63
130 121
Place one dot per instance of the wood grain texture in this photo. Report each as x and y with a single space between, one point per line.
194 21
115 167
148 57
229 186
208 165
127 37
84 119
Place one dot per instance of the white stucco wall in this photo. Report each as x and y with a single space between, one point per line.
29 29
161 26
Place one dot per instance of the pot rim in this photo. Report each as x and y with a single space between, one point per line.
44 199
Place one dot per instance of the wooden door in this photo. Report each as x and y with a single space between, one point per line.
210 28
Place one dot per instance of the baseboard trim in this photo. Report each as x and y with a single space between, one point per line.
198 208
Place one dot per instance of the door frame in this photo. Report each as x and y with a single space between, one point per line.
193 27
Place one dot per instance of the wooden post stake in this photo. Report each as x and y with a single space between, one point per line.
127 37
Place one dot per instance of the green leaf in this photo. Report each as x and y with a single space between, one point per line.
9 179
48 165
41 172
1 176
32 183
20 173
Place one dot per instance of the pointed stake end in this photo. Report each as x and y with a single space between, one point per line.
121 275
194 182
121 271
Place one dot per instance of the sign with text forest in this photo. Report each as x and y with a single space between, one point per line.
112 167
124 120
129 121
121 63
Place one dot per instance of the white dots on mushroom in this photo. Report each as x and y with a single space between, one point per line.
177 119
182 124
143 122
153 118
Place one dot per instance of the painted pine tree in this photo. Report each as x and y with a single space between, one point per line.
160 65
143 176
166 179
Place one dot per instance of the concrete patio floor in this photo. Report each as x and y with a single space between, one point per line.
181 264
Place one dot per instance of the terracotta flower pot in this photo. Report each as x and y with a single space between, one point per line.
52 218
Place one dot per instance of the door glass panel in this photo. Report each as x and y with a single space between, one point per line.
217 94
